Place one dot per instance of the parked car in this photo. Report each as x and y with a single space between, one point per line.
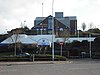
23 54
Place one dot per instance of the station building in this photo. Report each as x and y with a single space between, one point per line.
62 25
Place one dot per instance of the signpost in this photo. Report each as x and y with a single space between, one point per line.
61 44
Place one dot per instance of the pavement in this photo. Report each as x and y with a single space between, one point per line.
25 63
69 61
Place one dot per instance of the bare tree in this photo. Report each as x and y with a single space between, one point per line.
14 39
17 41
91 25
83 26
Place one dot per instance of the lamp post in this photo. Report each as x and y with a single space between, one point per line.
90 44
78 32
90 40
52 32
42 9
75 28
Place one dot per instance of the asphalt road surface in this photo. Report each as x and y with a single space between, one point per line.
58 68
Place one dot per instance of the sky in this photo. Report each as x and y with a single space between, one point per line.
17 13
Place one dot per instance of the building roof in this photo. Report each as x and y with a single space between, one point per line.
64 20
20 38
27 39
39 39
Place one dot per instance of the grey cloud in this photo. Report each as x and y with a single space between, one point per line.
7 6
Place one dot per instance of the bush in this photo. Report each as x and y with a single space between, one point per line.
14 58
37 57
49 58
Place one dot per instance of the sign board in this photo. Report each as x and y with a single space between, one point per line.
43 42
61 43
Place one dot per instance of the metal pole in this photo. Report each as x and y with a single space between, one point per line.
52 32
61 50
15 49
90 39
78 33
75 28
90 45
42 9
33 57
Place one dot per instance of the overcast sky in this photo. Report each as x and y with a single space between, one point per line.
15 12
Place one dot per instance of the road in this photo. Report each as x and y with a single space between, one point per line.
75 67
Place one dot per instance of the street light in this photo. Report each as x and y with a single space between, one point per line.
52 32
75 28
90 44
78 32
90 41
42 9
